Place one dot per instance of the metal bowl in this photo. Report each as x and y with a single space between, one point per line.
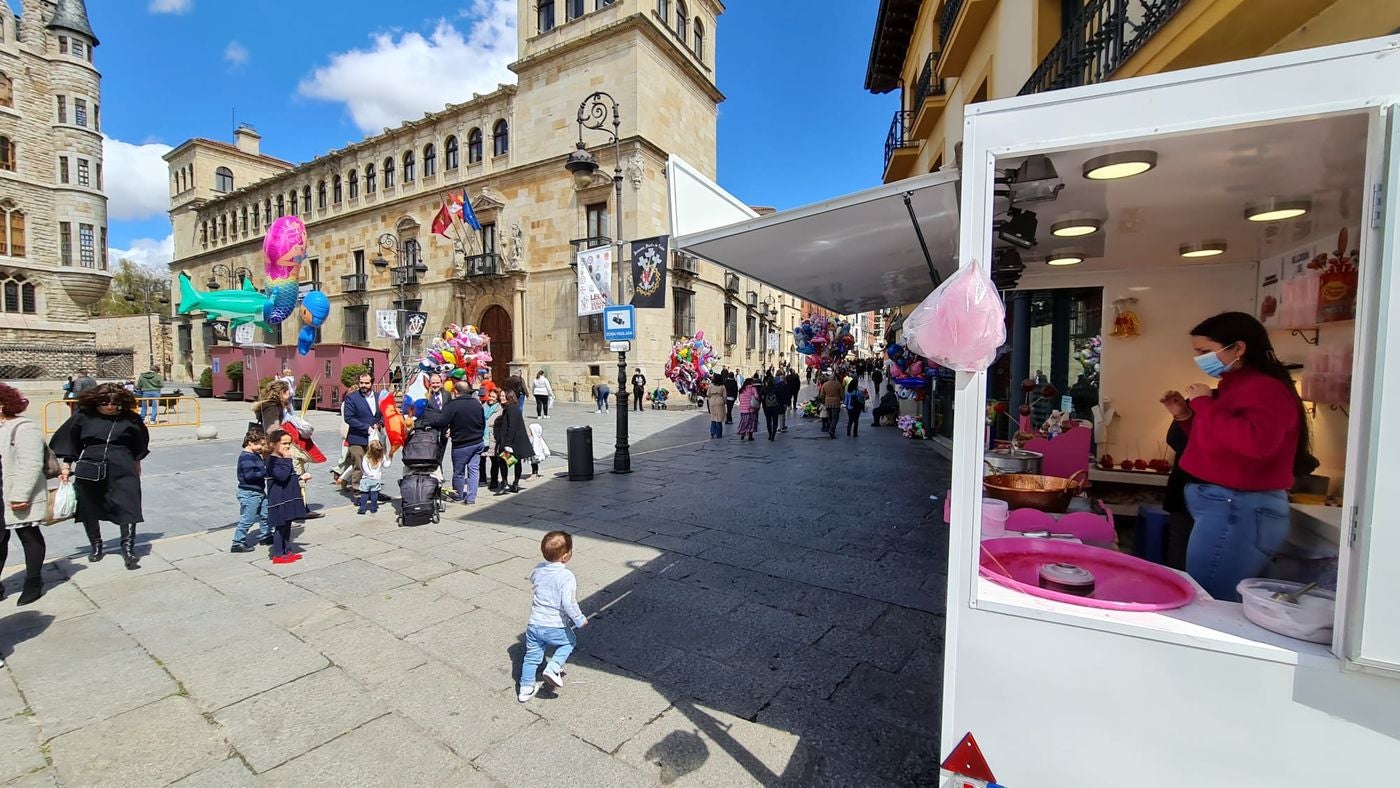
1034 491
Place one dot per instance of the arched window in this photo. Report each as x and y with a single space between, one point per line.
306 200
257 217
245 220
389 173
223 180
335 189
292 202
474 146
682 19
21 297
354 184
281 206
369 178
11 231
500 138
223 227
321 194
267 211
9 154
408 166
7 91
700 39
449 152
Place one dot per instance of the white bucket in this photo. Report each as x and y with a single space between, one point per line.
994 516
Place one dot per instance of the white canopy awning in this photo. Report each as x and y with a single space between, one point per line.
851 254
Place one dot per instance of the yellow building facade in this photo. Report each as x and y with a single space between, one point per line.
942 55
515 279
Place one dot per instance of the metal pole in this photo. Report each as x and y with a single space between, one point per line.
622 456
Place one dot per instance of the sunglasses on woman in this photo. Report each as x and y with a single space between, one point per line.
108 403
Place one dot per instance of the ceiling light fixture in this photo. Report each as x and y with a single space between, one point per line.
1203 249
1276 209
1125 164
1075 228
1065 257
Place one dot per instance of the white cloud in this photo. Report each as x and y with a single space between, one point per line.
148 253
236 54
400 79
136 179
171 6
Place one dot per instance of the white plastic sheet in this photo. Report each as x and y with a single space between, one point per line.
64 502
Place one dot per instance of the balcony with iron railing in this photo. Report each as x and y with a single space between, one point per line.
929 99
1099 40
354 283
960 27
901 147
489 264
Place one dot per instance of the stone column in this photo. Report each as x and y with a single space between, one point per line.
520 364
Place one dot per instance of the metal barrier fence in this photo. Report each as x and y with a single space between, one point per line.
170 412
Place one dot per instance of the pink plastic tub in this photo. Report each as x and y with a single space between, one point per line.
1121 582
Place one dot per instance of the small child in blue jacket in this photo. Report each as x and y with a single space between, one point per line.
252 491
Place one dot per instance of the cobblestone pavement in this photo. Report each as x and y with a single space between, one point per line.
761 613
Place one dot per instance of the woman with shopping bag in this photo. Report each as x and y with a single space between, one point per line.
24 459
101 448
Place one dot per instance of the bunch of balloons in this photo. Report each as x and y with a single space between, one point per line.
285 249
824 341
905 368
691 363
461 354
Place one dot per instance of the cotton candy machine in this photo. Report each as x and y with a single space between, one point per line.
1083 575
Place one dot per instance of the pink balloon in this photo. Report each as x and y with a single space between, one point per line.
285 248
699 334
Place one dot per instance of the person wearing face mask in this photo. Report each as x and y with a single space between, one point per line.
1247 441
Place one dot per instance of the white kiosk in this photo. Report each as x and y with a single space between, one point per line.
1059 694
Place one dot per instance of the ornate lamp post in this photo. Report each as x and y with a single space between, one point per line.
409 270
594 113
234 276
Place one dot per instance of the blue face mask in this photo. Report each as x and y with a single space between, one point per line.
1211 364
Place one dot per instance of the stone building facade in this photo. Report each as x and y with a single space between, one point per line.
53 214
506 149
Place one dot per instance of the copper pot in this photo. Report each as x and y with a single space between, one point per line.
1034 491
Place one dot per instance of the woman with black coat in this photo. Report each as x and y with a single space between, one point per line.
512 436
101 447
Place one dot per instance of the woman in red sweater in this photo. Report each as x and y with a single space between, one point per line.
1248 439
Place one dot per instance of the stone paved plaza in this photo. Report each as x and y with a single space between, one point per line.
761 613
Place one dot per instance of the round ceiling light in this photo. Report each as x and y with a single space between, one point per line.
1075 228
1276 209
1203 249
1125 164
1065 257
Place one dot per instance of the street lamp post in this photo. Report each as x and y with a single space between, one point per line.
235 276
410 269
594 113
146 302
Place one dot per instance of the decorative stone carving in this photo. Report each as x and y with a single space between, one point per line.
517 243
636 169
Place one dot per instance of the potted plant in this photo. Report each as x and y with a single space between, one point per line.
205 389
350 375
234 373
299 396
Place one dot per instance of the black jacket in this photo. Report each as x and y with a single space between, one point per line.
463 418
511 432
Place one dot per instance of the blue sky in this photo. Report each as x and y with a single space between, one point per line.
312 75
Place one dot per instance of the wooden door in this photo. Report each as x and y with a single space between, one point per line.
496 324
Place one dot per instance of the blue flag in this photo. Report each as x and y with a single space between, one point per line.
468 215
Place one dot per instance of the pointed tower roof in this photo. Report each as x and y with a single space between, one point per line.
72 15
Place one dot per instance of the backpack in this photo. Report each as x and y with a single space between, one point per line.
770 399
858 400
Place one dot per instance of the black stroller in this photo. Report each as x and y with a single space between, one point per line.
420 493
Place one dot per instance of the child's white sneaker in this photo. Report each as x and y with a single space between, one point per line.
527 691
552 675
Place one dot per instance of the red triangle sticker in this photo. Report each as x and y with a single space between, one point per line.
966 761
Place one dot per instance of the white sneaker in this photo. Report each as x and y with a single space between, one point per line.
597 411
552 675
527 691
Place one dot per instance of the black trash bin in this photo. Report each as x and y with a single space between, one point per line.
580 440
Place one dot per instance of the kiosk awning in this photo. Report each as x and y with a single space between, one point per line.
851 254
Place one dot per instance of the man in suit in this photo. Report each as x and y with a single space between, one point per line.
433 410
361 415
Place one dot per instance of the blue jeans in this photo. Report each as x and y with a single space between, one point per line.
150 399
252 508
1236 534
537 641
603 395
466 471
716 429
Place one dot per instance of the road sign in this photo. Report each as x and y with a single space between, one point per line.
620 347
620 323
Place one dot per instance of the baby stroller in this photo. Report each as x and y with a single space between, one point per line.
420 493
658 399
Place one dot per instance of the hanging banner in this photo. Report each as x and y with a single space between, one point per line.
386 323
243 334
649 272
772 342
594 280
414 324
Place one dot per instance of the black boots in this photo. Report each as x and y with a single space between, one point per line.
129 546
94 535
33 589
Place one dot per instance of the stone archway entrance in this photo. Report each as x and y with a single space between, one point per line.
495 323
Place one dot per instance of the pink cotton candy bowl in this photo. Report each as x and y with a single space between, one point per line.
1121 582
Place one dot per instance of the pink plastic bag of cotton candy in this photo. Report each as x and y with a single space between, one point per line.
961 324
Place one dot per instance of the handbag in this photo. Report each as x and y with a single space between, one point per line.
94 470
52 468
